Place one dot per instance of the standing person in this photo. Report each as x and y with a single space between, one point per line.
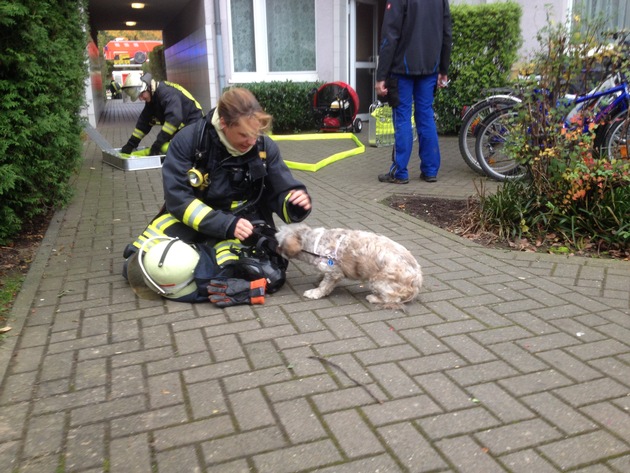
221 176
115 89
414 57
166 103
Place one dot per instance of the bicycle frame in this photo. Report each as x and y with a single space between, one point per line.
619 102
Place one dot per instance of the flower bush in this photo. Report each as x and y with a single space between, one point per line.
574 195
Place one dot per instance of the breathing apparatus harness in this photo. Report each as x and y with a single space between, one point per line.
201 180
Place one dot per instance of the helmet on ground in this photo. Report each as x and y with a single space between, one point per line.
135 84
168 266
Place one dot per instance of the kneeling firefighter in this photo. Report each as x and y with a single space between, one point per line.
167 104
214 238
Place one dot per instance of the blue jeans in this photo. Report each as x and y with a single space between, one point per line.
416 90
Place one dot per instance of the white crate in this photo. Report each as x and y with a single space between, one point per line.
131 163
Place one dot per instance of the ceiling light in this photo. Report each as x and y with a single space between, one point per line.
137 5
130 23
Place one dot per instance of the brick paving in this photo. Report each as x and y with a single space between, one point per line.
510 362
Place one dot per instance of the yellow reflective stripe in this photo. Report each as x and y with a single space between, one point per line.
146 235
223 250
168 128
226 245
138 134
195 213
155 228
285 210
237 203
226 256
185 92
163 222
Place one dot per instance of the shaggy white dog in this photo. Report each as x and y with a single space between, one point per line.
393 274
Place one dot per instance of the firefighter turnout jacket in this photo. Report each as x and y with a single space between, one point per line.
171 106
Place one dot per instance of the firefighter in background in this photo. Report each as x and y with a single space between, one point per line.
115 89
221 176
166 103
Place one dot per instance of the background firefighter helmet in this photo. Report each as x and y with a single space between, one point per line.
135 84
166 268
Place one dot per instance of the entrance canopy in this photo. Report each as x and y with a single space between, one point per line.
113 14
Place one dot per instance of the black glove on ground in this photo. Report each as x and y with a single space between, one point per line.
226 292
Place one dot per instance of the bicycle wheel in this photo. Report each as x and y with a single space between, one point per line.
470 125
490 147
617 138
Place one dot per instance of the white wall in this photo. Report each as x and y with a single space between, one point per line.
94 87
190 52
332 40
189 63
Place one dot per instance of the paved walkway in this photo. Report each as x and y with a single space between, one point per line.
510 362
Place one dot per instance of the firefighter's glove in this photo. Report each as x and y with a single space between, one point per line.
157 149
132 144
226 292
127 149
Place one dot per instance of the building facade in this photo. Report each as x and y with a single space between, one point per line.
213 44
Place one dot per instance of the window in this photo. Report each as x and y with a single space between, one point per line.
616 13
273 40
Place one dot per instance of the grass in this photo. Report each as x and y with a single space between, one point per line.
9 288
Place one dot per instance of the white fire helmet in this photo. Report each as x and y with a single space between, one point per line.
135 84
168 266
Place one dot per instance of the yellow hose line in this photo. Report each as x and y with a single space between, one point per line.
323 136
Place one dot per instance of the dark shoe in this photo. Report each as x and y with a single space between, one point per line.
428 178
391 179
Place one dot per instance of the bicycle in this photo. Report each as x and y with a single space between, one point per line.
473 116
609 100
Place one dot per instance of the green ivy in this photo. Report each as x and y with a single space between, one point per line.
42 85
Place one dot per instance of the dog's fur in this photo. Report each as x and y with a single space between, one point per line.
393 274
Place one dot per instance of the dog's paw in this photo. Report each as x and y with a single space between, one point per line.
313 294
374 299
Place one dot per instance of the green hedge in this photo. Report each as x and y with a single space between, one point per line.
486 39
156 64
42 85
288 103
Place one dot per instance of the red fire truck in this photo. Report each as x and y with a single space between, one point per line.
125 52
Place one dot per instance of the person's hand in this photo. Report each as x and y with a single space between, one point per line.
442 81
380 88
300 198
156 149
243 229
127 149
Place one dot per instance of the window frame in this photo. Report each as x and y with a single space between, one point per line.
262 73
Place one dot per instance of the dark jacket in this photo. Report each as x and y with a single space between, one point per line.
416 38
173 107
253 186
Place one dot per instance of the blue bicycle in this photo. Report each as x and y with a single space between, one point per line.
608 104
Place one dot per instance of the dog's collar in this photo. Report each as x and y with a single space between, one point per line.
331 258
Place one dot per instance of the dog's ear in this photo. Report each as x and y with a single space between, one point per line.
292 245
